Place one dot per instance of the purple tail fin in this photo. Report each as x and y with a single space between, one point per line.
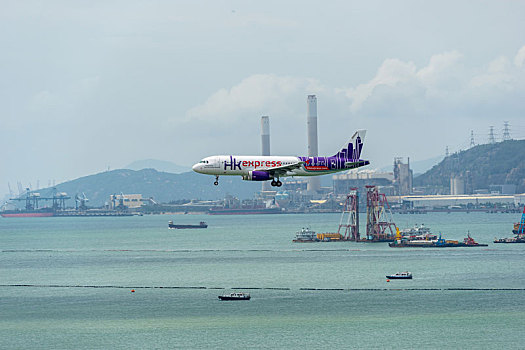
353 149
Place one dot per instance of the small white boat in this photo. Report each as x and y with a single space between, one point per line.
235 296
401 276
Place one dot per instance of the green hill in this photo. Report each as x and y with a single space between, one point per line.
159 165
163 187
481 166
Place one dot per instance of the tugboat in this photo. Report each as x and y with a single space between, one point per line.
400 276
202 224
470 242
235 296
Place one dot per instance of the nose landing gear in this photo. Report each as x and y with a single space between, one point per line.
216 180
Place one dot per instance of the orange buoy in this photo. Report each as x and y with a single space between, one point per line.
133 291
388 280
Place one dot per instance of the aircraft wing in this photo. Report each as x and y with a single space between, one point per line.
283 169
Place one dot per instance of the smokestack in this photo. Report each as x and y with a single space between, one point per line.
265 145
314 183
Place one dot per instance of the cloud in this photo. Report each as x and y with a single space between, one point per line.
444 85
498 75
391 73
519 59
257 94
401 98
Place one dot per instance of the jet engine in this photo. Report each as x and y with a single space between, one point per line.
257 175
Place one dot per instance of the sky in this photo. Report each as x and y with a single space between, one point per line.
88 86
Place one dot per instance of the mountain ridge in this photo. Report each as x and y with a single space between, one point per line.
502 163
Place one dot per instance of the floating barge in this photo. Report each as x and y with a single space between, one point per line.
308 236
517 239
518 230
428 240
171 225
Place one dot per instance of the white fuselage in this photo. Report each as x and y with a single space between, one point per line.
242 165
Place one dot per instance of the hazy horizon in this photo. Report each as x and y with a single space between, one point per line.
87 86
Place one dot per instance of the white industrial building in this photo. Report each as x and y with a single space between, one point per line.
433 201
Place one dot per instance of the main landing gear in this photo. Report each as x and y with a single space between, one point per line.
277 183
216 180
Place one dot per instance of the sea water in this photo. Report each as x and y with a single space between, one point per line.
65 283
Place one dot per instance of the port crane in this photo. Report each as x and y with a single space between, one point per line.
80 201
32 199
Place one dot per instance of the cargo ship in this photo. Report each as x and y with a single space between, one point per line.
50 212
202 224
18 213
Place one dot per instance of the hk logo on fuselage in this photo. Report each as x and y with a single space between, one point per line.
234 164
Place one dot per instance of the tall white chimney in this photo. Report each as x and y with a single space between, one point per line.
314 183
265 145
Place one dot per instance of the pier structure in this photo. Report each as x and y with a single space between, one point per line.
349 223
380 226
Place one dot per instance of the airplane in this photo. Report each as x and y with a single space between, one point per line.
264 168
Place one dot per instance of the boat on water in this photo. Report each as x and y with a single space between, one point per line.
235 296
470 242
202 224
428 240
517 239
35 213
416 230
417 236
305 236
518 230
400 276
